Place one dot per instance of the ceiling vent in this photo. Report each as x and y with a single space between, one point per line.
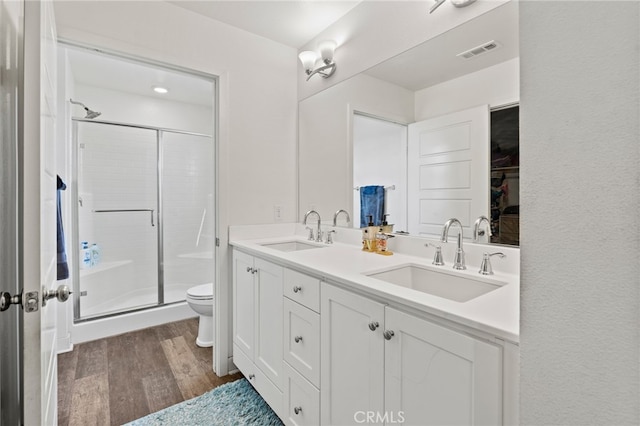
479 50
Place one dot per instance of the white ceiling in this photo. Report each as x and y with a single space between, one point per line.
104 71
435 61
290 22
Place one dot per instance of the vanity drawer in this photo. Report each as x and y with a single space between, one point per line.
302 340
301 399
303 289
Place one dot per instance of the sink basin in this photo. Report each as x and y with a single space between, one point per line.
441 284
291 246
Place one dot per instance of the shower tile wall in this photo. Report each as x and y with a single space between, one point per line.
117 170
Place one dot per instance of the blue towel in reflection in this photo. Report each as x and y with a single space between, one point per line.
63 266
371 204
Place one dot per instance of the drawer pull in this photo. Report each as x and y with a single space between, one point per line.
297 288
252 376
298 339
297 410
373 325
388 334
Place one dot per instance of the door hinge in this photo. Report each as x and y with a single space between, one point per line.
217 242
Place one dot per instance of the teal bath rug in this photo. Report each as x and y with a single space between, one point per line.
235 403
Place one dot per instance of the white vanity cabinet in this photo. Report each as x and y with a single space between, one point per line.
257 325
322 354
382 363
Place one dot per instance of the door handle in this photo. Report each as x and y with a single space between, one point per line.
62 293
6 300
28 301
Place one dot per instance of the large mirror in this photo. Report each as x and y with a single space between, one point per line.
369 131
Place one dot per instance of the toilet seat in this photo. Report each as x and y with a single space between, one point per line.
201 292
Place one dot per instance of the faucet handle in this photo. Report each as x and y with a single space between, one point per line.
437 257
485 266
330 236
310 237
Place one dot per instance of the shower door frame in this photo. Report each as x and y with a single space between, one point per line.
160 131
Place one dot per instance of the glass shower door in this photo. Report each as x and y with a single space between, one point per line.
117 186
187 212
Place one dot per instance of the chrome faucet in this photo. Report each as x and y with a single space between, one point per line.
319 231
476 227
458 260
335 217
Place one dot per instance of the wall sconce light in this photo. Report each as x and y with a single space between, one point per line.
309 59
456 3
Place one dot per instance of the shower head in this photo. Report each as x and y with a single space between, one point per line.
90 113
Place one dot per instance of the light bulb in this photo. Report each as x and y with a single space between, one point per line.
308 59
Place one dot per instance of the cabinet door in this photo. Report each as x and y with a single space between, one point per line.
352 356
268 320
243 303
436 376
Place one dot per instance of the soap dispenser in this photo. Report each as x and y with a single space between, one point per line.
369 235
386 228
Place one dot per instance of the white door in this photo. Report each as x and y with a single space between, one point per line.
448 170
38 249
269 317
435 376
11 30
243 303
352 357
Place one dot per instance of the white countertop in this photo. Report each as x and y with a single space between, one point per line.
496 312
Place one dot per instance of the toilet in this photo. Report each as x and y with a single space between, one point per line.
200 299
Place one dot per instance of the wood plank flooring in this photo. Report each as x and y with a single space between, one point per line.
121 378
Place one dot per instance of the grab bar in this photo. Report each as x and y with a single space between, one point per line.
128 210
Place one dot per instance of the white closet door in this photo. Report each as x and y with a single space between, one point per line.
448 170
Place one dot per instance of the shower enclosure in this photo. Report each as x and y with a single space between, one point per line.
144 221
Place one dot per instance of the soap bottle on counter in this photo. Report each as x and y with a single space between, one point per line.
382 240
372 232
386 228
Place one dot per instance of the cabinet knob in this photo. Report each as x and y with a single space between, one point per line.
388 334
298 339
297 410
251 376
297 288
249 268
373 325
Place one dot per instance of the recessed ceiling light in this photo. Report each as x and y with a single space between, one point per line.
159 89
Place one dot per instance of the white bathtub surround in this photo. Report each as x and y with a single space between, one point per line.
124 323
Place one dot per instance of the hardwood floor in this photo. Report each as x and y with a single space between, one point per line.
121 378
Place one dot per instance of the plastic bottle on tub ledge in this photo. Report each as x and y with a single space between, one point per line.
85 256
96 254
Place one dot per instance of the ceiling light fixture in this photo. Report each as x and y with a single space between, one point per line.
456 3
159 89
309 59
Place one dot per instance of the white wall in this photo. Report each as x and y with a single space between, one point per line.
144 110
579 117
496 85
257 86
325 131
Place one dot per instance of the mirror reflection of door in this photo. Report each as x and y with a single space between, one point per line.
505 175
380 158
